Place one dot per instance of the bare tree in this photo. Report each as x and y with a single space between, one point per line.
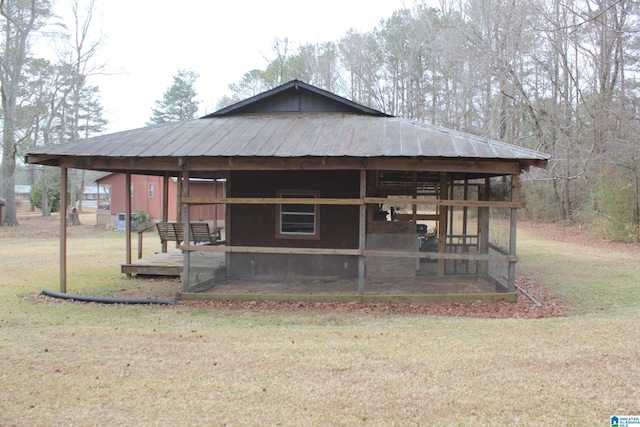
80 54
558 76
21 19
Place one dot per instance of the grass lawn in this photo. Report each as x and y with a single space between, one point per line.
87 364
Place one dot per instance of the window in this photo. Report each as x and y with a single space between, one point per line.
131 190
150 191
296 220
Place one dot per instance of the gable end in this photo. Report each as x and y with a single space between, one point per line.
295 97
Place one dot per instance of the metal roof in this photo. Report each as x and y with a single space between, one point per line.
287 136
295 125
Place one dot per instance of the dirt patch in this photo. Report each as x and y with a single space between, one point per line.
39 227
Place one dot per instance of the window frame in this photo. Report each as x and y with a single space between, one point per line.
151 191
280 234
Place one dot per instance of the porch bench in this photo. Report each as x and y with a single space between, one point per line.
199 232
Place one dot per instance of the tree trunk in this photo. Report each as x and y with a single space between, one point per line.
46 203
8 180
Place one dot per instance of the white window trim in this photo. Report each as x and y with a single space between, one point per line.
316 213
151 191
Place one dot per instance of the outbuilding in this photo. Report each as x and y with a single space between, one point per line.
329 199
147 194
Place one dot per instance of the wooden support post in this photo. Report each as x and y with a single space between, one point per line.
414 212
442 224
215 206
512 234
165 204
414 194
127 215
362 233
483 228
63 230
226 189
451 226
179 198
465 228
187 231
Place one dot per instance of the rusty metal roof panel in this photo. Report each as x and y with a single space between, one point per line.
343 139
190 135
312 134
359 139
325 137
158 138
205 136
297 139
241 141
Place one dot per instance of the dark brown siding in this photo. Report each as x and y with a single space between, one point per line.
255 225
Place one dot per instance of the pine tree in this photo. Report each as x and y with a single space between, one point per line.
177 101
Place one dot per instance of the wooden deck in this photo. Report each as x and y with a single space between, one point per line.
170 263
160 264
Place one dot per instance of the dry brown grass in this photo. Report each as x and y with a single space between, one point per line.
63 364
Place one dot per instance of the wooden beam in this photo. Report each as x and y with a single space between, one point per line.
333 201
444 202
219 163
269 201
438 255
345 252
63 229
270 250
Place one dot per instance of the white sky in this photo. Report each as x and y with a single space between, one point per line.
148 41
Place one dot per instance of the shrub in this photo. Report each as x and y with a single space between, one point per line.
140 220
614 209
